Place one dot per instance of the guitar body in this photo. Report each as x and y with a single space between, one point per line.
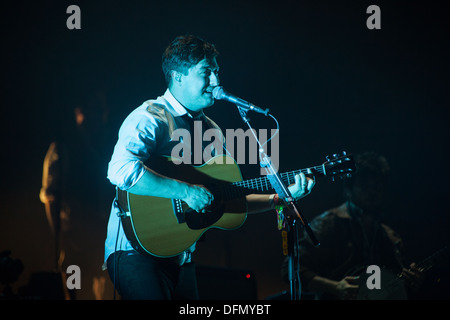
166 227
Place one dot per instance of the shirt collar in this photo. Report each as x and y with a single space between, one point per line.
177 108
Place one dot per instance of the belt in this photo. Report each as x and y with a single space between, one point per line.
180 259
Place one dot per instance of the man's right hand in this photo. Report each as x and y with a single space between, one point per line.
347 288
198 198
155 185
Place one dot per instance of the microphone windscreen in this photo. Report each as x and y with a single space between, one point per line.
217 93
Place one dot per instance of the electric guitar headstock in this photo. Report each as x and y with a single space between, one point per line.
339 165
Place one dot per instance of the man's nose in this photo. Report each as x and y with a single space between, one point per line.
214 80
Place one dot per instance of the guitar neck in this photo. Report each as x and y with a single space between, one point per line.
263 185
434 259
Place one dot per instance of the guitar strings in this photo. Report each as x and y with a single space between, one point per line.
262 184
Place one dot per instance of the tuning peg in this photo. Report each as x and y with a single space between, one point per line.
343 153
332 157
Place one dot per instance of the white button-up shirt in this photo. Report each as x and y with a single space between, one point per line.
142 134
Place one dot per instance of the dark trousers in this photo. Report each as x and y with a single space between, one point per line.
145 277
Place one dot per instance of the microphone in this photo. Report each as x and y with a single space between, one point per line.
220 94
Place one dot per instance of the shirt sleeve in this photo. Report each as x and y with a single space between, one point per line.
136 142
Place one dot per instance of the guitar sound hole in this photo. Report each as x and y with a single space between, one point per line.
200 220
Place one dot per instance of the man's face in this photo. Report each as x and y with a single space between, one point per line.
368 192
195 88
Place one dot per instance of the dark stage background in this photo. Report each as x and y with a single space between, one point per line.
332 84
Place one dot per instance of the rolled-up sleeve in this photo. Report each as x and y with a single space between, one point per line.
136 142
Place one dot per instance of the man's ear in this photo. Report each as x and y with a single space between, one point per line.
176 76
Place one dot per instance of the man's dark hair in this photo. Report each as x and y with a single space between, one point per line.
370 166
185 52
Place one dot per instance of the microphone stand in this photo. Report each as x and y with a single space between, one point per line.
293 216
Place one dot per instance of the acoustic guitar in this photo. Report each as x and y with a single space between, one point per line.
166 227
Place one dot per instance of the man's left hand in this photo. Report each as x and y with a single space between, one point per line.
302 186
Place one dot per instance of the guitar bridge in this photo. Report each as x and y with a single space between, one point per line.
178 210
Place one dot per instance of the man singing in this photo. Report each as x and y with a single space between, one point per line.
191 72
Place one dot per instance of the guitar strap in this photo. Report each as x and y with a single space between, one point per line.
160 111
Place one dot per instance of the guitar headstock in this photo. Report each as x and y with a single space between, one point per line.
339 165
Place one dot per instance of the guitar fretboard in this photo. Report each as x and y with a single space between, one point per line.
262 184
434 259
